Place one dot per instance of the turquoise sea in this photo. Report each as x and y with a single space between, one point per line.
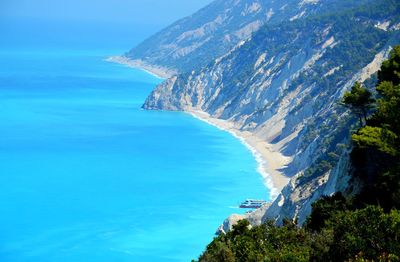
86 175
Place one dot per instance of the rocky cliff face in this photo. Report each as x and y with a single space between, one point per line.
296 198
196 40
284 83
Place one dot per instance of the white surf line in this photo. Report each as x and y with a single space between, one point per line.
261 169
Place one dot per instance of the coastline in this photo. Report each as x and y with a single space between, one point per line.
269 161
157 71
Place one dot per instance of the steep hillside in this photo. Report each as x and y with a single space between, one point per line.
283 84
364 226
198 39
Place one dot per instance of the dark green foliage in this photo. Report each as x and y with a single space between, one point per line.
381 139
364 227
360 100
368 233
325 209
376 155
263 243
390 70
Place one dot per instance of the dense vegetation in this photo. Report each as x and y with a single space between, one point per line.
361 227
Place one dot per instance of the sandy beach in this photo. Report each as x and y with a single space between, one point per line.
270 161
157 71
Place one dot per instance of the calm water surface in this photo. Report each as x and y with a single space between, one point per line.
86 175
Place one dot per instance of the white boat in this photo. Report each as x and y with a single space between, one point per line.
252 203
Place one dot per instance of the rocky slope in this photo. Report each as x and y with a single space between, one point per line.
284 83
196 40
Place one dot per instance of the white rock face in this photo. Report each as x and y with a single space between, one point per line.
212 31
255 218
283 85
383 25
297 16
296 199
251 8
374 66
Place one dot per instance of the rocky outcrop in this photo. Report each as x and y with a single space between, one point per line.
255 218
295 200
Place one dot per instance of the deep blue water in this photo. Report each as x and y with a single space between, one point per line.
86 175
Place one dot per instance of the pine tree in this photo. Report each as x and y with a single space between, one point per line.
359 100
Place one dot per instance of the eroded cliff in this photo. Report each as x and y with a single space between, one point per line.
284 85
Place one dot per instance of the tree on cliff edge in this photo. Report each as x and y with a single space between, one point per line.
359 100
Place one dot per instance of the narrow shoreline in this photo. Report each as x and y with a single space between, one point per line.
270 162
157 71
